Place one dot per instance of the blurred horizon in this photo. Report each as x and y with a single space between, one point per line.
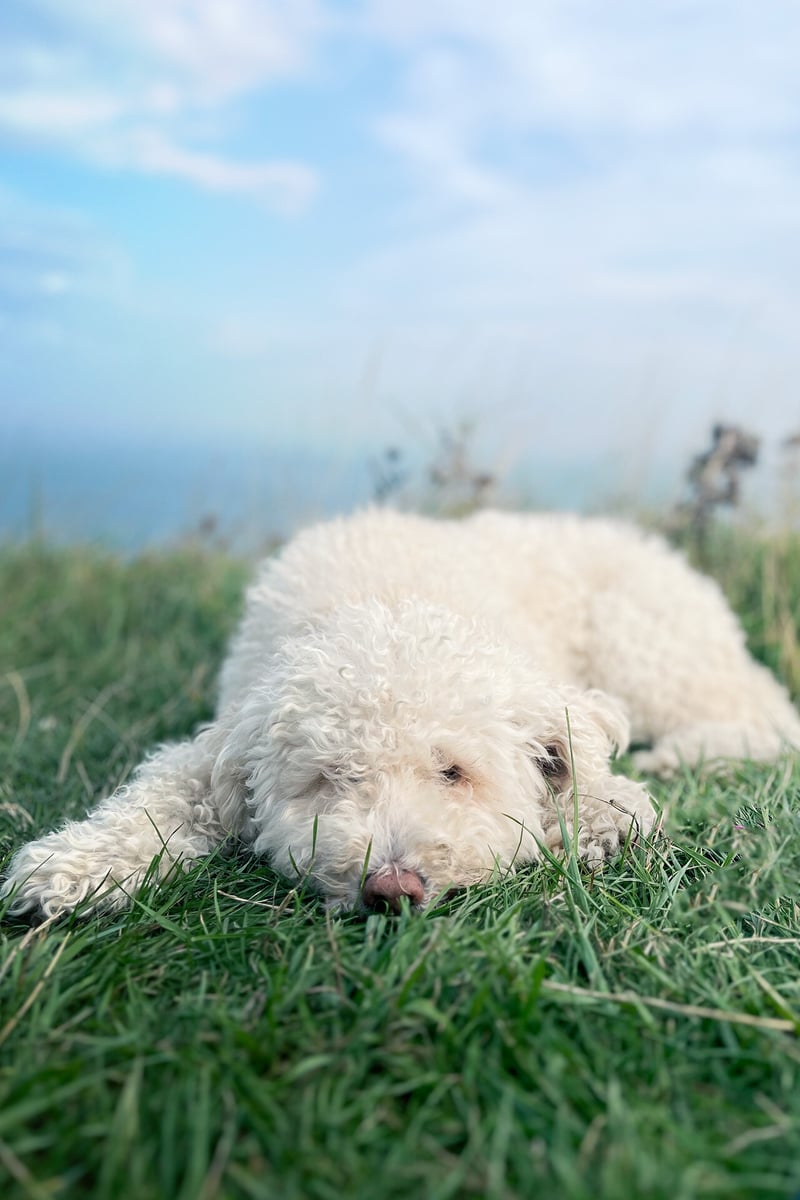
312 230
137 495
131 495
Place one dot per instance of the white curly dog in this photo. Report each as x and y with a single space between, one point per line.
412 705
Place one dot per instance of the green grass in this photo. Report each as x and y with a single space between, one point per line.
627 1034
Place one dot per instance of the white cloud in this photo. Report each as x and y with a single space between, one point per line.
132 81
594 188
56 114
55 283
484 87
243 336
285 186
225 48
207 49
49 255
655 67
601 200
602 215
439 155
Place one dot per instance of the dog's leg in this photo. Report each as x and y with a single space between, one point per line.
165 813
710 744
689 684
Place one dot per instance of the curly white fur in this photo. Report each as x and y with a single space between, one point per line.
429 701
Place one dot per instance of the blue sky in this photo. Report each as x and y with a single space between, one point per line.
346 223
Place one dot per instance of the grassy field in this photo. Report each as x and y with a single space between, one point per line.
621 1035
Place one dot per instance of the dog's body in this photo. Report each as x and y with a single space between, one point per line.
411 704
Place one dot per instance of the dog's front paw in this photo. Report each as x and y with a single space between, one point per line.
608 817
610 831
50 877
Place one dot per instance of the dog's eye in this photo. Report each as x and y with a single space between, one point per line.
553 764
452 775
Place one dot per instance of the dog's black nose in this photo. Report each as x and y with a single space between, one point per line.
384 889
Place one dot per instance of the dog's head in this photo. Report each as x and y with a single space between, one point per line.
407 751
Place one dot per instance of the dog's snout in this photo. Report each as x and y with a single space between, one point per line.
384 889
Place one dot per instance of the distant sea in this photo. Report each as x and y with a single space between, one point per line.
129 496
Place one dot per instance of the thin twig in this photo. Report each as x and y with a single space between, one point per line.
16 681
222 1152
278 908
83 723
17 1169
684 1010
766 1134
747 941
36 931
11 1024
775 996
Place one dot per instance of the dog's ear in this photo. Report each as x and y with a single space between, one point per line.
609 715
591 727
